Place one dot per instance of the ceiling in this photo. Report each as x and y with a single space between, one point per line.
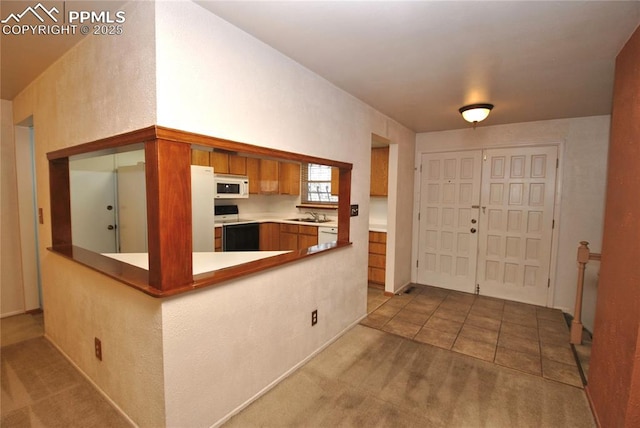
419 61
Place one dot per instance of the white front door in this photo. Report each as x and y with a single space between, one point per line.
449 207
516 221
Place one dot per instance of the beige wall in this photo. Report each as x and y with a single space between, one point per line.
103 86
11 285
582 179
241 337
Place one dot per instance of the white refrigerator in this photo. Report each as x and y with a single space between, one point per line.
132 209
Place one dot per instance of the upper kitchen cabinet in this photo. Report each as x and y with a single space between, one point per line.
200 157
289 178
379 171
269 176
253 172
220 162
237 165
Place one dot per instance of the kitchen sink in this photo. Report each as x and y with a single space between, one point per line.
310 220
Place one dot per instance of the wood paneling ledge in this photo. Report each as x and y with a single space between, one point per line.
168 160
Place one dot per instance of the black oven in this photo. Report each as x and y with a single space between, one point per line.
241 237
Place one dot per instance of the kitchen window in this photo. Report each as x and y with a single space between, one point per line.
318 184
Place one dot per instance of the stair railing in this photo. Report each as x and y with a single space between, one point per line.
584 255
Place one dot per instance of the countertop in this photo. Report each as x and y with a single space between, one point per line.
377 227
278 218
202 262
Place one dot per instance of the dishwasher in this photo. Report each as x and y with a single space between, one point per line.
327 234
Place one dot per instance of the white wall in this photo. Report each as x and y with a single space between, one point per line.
244 335
103 86
583 161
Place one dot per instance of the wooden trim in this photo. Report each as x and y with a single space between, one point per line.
138 278
109 143
60 194
592 406
176 135
344 207
168 176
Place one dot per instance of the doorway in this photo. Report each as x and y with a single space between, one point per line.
486 221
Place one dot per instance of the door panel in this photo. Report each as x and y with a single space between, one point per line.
450 195
517 199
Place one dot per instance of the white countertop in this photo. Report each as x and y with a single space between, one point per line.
279 218
202 262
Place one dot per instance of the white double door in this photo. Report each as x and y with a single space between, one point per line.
486 221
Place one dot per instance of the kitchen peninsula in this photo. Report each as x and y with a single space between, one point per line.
171 265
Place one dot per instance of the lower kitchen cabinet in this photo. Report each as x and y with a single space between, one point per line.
269 236
218 238
295 237
377 257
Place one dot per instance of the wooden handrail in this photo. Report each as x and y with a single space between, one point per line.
584 255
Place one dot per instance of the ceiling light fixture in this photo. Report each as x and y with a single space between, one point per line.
475 113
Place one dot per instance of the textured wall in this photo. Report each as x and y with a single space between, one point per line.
614 374
11 290
103 86
583 161
244 335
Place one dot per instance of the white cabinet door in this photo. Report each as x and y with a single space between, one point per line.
449 199
516 220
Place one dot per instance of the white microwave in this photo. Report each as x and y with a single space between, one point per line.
231 186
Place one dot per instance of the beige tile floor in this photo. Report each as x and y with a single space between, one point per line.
528 338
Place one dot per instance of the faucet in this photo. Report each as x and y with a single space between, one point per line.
315 216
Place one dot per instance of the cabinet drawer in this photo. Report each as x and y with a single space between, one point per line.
380 237
376 275
308 230
377 248
376 260
289 228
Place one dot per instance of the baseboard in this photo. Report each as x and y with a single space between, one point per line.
285 375
399 290
10 314
100 391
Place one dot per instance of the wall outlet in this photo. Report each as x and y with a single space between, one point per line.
314 318
354 210
98 347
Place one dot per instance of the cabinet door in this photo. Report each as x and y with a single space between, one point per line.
269 237
288 241
218 239
220 162
379 171
306 241
289 178
200 157
253 172
269 176
237 165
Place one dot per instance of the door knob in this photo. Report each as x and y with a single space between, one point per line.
110 227
474 221
473 230
109 207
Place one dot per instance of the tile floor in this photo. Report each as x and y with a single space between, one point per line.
527 338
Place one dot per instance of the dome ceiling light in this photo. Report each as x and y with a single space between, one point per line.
475 113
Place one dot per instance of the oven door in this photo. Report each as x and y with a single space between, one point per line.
241 237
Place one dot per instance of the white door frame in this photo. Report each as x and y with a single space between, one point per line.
458 147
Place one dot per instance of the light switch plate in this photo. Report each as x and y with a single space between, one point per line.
354 210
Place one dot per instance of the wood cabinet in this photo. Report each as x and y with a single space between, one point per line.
200 157
269 236
379 171
253 172
237 165
269 176
377 257
289 182
296 237
220 162
217 235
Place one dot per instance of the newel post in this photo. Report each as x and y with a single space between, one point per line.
576 324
